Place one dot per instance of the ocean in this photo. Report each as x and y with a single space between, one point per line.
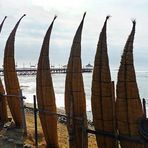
28 86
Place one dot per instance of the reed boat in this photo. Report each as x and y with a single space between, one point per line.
46 95
128 105
75 103
11 79
102 98
1 25
3 105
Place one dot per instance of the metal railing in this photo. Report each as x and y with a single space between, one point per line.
35 110
116 136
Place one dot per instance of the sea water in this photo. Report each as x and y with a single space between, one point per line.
28 86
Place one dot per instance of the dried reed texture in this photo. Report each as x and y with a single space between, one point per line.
102 100
128 104
46 95
1 25
3 107
75 103
11 79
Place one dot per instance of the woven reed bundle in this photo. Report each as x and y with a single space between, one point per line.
1 25
3 105
11 79
102 99
45 93
75 103
3 108
128 104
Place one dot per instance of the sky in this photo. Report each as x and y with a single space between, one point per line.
40 13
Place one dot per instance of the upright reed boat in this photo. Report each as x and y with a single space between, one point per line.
102 100
128 104
46 95
11 79
1 25
3 106
75 103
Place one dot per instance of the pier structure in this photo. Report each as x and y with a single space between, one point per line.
32 71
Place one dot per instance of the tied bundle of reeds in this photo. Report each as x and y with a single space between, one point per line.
128 104
75 103
3 106
46 95
102 100
1 25
11 79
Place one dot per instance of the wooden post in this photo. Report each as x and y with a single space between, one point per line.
35 122
23 113
144 107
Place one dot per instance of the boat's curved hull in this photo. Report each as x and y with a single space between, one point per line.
11 79
46 96
128 105
3 105
102 99
75 103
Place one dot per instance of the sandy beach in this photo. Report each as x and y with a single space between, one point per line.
12 135
62 132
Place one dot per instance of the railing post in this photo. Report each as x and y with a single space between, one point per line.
35 122
23 113
144 107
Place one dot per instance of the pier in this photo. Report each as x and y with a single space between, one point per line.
32 71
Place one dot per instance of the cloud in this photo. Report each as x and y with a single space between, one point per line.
33 27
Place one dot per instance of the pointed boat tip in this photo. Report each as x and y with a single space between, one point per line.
84 15
105 23
23 15
133 21
55 17
4 18
107 17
